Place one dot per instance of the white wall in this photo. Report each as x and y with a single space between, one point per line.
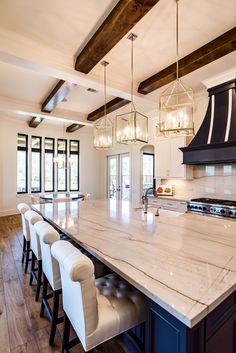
9 127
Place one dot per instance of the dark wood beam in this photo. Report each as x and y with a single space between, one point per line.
222 45
118 23
59 92
35 121
74 127
113 105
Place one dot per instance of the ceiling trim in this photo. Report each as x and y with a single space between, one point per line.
74 127
59 92
117 24
111 106
220 46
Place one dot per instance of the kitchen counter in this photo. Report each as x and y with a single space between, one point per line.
185 263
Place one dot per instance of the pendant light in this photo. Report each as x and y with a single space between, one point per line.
176 103
103 129
131 126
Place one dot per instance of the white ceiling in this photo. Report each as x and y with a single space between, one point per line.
65 27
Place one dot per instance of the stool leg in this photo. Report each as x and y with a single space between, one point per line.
39 280
56 296
32 269
44 294
66 334
23 250
27 255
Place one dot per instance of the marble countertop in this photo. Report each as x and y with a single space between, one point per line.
186 263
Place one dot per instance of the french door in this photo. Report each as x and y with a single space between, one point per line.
119 176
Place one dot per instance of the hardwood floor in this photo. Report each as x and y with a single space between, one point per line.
21 328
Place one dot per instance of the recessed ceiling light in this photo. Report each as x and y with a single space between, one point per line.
92 90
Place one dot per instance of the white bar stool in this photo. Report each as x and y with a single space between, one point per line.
51 274
33 217
98 310
22 208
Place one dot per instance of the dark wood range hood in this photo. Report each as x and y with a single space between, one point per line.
215 141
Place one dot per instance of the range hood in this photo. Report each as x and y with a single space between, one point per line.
215 141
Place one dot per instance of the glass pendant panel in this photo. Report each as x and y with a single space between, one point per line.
177 111
131 127
103 134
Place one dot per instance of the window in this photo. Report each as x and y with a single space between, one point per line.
36 151
74 165
61 165
49 164
148 170
22 163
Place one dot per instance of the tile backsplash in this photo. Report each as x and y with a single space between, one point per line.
214 181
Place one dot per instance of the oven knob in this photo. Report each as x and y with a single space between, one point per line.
222 211
212 209
204 208
231 213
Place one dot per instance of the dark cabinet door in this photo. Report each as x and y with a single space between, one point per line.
224 339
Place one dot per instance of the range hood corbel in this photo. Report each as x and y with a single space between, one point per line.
215 141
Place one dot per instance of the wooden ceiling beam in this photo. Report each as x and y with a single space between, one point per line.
118 23
59 92
220 46
74 127
35 121
111 106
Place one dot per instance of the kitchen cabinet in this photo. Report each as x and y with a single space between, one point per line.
169 159
168 204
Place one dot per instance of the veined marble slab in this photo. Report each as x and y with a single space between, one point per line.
185 263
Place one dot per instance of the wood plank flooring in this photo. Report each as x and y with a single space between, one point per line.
21 328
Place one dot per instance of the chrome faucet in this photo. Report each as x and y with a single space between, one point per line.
145 200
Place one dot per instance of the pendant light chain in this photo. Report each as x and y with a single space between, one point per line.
177 40
132 71
105 90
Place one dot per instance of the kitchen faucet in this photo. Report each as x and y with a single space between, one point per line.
145 200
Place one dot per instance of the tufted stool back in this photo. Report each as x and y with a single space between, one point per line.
78 289
22 208
47 236
33 217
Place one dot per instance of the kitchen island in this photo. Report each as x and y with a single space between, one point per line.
184 264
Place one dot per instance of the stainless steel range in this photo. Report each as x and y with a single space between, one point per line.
213 207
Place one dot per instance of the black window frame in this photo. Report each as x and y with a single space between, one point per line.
49 151
74 153
25 149
62 152
153 155
37 150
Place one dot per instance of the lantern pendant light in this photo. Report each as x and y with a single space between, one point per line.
131 126
103 129
176 103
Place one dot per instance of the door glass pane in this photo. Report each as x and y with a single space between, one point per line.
35 172
48 170
148 170
125 177
112 170
21 171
